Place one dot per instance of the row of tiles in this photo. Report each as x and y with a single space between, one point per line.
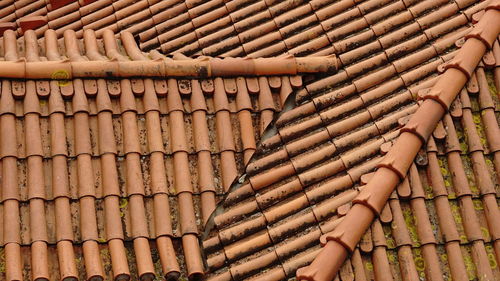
185 87
106 49
24 15
354 114
174 265
300 244
400 52
350 90
167 148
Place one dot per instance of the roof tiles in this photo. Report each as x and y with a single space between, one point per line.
322 148
95 173
237 28
115 177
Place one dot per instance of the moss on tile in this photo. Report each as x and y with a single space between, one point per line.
156 260
491 256
476 117
106 261
369 266
469 172
2 260
464 147
391 244
455 211
491 83
448 182
419 262
470 267
123 206
411 225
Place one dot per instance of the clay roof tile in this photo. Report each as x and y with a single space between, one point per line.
177 143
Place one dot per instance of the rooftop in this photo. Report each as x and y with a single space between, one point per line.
293 120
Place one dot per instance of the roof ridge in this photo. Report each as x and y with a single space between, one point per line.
120 66
394 166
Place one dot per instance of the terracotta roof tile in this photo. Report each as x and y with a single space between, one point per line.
124 171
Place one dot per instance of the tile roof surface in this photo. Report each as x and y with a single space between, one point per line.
300 185
394 166
106 178
145 160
